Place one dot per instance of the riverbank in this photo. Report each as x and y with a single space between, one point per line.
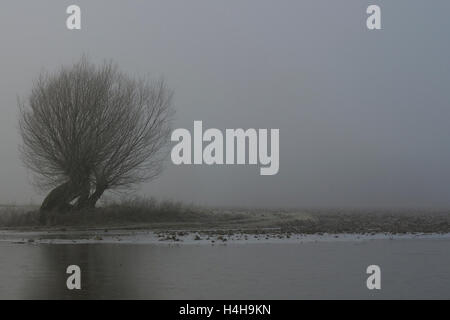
186 224
183 237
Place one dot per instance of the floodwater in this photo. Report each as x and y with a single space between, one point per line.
315 270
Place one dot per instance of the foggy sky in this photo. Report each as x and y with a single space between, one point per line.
363 115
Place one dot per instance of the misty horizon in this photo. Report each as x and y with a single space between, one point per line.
363 116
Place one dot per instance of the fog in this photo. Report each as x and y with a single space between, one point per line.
363 115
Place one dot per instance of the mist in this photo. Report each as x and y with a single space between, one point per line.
363 115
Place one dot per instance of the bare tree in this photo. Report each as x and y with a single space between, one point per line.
88 129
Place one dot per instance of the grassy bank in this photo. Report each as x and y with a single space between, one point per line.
167 215
136 211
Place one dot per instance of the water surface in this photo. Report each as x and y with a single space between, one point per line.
336 270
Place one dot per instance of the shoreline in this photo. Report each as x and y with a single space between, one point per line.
172 237
223 226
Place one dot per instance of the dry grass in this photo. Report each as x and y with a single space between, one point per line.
127 212
141 213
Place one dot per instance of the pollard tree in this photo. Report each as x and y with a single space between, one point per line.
88 129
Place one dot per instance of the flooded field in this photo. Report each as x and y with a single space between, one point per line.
411 268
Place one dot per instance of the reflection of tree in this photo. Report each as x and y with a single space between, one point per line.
107 272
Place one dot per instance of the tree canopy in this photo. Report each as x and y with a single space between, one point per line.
87 129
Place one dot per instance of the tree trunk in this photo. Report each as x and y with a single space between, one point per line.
59 198
93 199
87 201
83 199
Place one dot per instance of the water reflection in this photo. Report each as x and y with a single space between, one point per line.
411 269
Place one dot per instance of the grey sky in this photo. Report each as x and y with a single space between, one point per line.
363 115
